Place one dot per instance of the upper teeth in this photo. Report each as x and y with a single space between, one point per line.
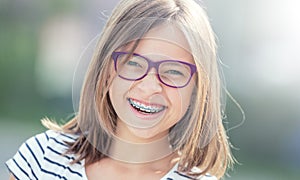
146 108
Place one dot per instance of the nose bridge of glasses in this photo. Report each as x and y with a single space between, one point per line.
153 66
152 71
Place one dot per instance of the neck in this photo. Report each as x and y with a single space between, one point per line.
130 152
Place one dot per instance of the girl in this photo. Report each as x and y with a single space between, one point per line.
150 104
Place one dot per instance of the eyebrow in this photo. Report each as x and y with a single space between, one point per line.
162 57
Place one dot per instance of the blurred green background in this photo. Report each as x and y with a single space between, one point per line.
40 46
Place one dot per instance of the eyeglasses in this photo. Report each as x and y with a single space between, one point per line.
172 73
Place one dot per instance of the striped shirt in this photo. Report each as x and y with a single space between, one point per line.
41 157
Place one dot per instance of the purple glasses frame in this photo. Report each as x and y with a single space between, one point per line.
151 64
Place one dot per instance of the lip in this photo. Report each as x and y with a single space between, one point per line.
146 116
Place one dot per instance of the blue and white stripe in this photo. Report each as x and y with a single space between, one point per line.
42 157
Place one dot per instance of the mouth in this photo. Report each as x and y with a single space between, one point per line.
146 108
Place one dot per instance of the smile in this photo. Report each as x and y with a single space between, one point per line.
151 109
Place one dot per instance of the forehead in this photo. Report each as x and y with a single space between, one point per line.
165 41
168 33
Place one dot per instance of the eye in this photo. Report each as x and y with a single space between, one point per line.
133 63
174 72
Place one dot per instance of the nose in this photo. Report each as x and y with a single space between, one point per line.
150 83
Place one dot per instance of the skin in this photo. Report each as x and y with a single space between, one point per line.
158 44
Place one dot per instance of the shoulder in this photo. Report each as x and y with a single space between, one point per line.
43 157
174 174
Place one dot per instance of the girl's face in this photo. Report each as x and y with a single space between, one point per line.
147 108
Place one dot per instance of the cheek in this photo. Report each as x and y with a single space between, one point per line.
115 92
118 91
118 86
180 100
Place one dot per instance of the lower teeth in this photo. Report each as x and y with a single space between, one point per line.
143 111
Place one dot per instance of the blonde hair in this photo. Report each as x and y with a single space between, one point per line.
199 136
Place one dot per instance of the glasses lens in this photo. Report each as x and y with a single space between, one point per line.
174 74
131 67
